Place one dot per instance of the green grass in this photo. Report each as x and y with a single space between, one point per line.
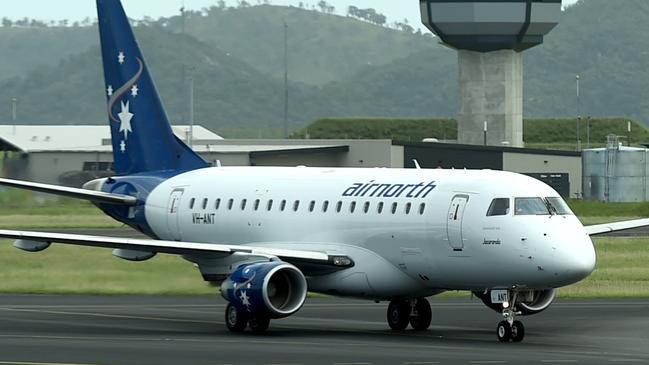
65 269
600 209
622 271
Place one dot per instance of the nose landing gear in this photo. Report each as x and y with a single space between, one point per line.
415 312
510 329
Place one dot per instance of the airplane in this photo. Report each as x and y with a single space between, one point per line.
269 235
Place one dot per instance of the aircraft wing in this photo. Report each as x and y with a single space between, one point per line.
299 258
96 196
616 226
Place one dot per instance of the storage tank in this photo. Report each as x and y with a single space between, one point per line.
615 173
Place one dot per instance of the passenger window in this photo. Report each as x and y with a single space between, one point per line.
408 207
499 206
312 206
270 205
325 206
296 205
530 206
366 207
191 203
422 208
339 207
352 207
394 208
204 203
217 204
243 204
379 208
230 204
256 204
282 205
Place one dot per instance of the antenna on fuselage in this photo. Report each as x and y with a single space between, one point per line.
414 160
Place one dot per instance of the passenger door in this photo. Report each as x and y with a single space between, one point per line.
172 213
454 222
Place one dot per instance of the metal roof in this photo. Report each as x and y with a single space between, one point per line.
39 138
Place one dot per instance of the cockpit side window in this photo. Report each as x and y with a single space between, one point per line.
499 206
530 206
559 206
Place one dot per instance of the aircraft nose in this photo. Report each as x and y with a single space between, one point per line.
581 260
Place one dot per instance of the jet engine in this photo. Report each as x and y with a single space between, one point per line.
528 302
266 289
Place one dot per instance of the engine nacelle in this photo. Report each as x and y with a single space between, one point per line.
528 302
266 289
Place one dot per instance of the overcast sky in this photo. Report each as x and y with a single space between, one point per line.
79 9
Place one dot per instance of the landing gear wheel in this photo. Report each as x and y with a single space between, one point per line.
259 324
423 316
234 319
399 314
518 331
504 331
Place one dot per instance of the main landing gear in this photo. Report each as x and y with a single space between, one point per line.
415 312
237 321
510 329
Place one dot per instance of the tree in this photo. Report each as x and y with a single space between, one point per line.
323 6
7 23
221 4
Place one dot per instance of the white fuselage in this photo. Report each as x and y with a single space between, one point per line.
409 232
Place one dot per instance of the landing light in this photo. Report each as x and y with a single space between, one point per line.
342 261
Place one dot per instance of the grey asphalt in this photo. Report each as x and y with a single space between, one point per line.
190 330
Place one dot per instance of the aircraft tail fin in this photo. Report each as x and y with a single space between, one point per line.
142 137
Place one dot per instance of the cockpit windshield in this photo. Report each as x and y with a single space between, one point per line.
558 206
531 206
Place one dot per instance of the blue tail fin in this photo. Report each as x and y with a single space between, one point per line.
141 134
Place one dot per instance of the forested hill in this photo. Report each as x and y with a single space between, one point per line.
339 67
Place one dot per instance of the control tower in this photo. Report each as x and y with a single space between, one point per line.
490 36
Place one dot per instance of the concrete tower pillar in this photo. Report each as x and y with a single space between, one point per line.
490 36
491 90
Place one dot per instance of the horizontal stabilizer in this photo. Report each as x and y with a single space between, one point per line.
616 226
91 195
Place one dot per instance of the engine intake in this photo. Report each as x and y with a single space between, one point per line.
266 289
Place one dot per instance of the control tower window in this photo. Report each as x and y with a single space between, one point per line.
531 206
499 206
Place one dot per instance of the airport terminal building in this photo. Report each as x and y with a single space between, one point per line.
49 154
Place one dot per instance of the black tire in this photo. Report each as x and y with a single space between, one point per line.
504 331
424 316
234 319
259 324
518 331
398 314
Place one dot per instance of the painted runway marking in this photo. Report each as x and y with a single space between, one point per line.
420 362
488 362
36 363
558 361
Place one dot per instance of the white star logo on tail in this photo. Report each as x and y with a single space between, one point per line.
121 58
125 117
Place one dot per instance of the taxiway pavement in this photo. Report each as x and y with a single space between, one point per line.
125 330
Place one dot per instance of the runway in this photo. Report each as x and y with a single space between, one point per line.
190 330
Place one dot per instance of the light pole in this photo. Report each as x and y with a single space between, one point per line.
286 80
486 125
14 110
578 78
588 132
